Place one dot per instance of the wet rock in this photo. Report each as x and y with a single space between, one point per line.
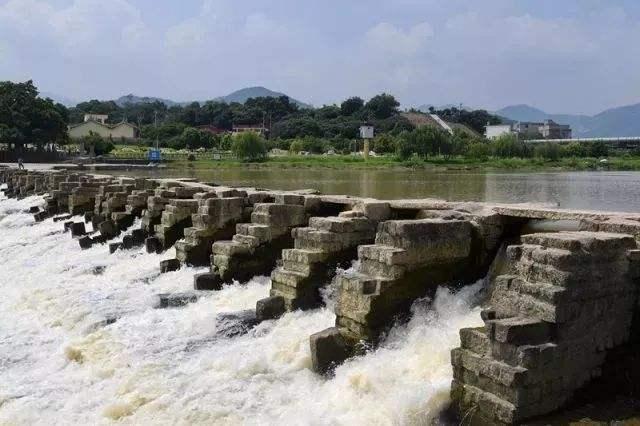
108 229
236 323
138 236
99 270
270 308
34 209
63 217
113 247
329 348
169 265
153 245
88 216
207 281
85 242
77 229
40 216
127 242
175 300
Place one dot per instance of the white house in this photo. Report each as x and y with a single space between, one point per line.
95 124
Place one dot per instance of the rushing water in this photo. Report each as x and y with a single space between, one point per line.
81 343
619 191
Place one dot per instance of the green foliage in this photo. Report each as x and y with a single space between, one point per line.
296 146
194 139
548 151
313 145
226 141
479 150
382 106
598 149
100 145
384 144
476 119
508 146
27 119
249 146
351 106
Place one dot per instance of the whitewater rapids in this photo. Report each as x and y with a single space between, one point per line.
81 343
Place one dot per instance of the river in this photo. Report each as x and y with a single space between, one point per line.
617 191
81 343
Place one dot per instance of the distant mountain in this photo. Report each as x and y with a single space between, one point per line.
240 96
133 99
614 122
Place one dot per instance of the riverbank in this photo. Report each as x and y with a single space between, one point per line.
437 163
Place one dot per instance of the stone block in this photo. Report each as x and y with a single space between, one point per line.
329 348
270 308
175 300
77 229
169 265
207 281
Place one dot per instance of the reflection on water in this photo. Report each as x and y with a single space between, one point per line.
581 190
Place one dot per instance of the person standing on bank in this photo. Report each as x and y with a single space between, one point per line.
20 164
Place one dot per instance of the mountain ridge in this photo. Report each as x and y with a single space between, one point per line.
613 122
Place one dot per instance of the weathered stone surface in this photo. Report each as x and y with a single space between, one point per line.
329 348
153 245
569 297
175 300
169 265
77 229
207 281
270 308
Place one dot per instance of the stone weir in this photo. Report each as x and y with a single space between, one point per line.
256 246
561 287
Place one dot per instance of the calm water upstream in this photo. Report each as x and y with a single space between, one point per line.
618 191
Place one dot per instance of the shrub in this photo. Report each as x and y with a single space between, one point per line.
249 146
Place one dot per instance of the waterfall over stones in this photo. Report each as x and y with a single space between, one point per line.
555 311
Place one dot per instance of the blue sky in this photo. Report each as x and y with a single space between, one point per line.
576 56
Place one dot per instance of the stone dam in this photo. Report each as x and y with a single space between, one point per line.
560 287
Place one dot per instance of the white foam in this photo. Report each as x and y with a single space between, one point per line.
63 364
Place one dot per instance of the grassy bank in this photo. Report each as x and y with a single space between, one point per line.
437 163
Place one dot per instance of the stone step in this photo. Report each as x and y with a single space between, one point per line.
230 248
303 268
341 224
499 372
519 331
385 254
303 256
262 232
289 278
592 242
486 407
248 240
475 340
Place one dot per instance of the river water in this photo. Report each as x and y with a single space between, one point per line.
618 191
81 343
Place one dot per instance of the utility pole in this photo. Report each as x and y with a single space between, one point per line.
155 125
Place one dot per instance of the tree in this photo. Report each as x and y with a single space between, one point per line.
296 146
95 142
384 143
26 118
249 146
351 106
382 106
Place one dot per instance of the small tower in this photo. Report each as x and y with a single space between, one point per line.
366 133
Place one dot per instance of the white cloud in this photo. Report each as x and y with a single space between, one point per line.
392 39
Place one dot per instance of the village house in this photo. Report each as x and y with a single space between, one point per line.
96 123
